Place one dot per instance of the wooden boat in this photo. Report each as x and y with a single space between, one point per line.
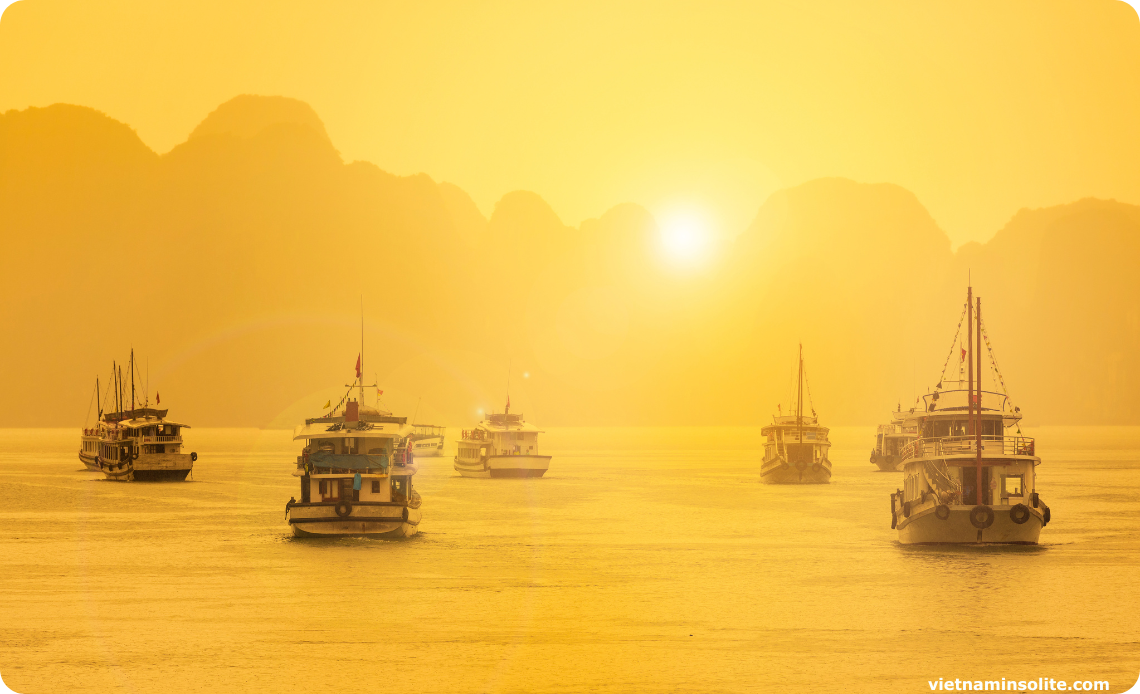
138 444
965 479
502 445
796 446
891 438
356 474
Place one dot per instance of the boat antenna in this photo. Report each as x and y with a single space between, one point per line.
99 398
508 408
146 388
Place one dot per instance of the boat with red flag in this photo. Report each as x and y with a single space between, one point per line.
970 476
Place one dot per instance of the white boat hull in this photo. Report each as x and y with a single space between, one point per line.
925 527
358 519
779 471
431 446
505 466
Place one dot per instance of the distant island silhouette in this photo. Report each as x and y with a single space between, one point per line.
239 258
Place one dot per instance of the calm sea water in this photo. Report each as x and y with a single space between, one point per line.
648 560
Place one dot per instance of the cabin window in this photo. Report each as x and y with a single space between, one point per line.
323 487
942 428
399 489
961 427
1012 485
375 486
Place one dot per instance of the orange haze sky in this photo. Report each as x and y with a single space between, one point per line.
979 108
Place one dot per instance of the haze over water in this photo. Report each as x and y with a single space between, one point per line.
648 560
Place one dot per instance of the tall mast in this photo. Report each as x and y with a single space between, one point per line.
978 424
800 398
361 379
98 402
970 355
132 379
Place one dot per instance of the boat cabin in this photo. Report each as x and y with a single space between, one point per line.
783 439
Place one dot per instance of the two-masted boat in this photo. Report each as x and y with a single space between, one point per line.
965 479
427 440
796 446
891 439
138 444
356 475
502 445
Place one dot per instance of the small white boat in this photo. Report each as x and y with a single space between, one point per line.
965 480
427 440
356 475
796 446
503 445
891 439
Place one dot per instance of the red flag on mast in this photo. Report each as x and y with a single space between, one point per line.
157 398
358 366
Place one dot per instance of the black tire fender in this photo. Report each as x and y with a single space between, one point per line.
942 512
193 457
1034 499
1019 513
906 509
1047 516
981 517
347 509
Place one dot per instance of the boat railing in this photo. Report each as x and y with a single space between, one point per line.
956 445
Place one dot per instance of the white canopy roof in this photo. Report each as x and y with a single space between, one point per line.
320 430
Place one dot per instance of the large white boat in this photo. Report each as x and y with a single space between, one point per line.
503 445
427 439
796 446
138 444
965 479
356 475
891 439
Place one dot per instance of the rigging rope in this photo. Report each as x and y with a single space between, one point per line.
89 404
994 365
953 345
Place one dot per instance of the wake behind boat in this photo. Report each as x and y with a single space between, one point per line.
503 445
965 479
796 446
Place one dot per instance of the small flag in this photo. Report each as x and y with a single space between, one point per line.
157 398
328 404
379 392
358 366
963 354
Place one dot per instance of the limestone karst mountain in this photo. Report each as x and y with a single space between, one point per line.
238 261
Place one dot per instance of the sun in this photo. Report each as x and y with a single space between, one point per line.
684 238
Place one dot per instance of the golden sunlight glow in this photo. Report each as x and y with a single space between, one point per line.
684 238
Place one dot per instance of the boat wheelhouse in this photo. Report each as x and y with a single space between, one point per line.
969 476
427 439
891 439
796 446
356 473
503 445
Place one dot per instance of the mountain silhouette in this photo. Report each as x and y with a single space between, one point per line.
238 262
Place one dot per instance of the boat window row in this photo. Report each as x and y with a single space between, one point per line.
946 428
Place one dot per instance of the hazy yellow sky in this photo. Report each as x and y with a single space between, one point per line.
980 108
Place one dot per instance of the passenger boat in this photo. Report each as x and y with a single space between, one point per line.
796 446
891 439
138 444
966 480
427 439
503 445
356 475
